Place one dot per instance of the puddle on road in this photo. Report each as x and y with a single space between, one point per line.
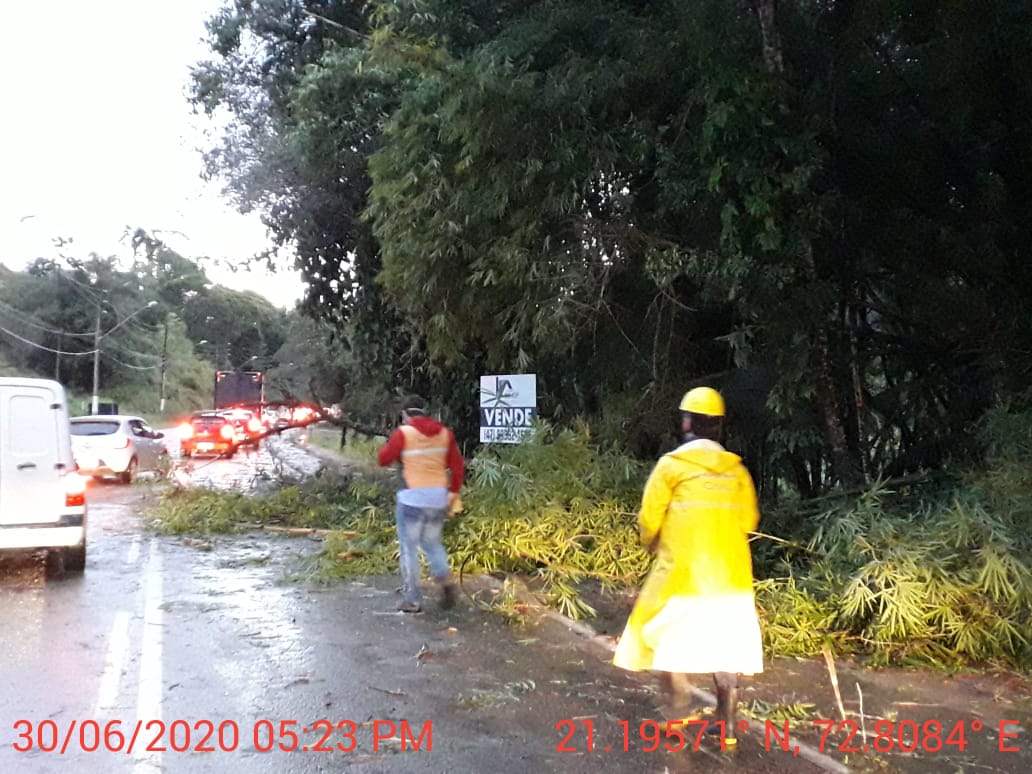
234 597
24 571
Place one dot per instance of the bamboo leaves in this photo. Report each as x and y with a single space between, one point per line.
920 580
942 578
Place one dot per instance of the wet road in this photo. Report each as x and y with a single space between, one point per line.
209 651
250 469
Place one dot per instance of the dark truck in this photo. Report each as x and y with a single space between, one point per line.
239 389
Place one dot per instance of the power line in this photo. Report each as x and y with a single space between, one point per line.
46 349
105 352
141 328
27 319
130 365
95 295
126 351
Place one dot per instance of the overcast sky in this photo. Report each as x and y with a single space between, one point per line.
97 135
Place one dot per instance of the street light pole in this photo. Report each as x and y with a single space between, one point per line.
97 336
96 366
164 365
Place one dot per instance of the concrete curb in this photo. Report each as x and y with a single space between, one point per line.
805 751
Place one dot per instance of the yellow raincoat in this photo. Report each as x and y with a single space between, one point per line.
696 612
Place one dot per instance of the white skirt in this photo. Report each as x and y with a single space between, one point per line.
701 635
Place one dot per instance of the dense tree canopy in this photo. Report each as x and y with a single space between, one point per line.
823 208
160 314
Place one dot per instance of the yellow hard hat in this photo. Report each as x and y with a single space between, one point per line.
703 400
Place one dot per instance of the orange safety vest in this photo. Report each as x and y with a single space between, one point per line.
424 460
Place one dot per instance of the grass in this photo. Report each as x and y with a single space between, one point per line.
357 447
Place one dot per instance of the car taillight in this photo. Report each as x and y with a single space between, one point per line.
186 430
123 444
75 489
227 432
253 425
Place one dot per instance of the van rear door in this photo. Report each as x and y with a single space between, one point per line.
31 461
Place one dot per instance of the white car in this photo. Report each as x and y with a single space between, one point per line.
116 445
42 497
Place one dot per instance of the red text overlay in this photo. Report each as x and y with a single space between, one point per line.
580 735
263 735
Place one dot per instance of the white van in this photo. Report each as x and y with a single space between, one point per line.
42 495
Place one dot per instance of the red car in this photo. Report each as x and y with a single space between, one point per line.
208 432
249 428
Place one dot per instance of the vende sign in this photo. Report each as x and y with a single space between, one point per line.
508 407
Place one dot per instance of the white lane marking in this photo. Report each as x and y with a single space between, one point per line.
134 551
114 663
148 699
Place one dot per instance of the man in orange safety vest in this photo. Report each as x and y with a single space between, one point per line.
433 469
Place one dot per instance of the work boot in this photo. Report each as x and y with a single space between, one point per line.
677 701
449 591
726 713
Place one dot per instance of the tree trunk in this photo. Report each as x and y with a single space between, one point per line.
766 13
847 468
845 464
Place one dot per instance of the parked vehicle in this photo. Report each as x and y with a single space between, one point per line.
116 445
42 496
208 432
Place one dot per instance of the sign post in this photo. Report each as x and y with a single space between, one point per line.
508 407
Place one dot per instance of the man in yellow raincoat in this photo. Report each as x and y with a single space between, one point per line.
696 613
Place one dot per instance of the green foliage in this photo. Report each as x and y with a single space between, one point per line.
328 501
629 197
308 361
368 546
941 578
162 306
797 714
795 621
554 508
199 511
944 578
236 327
358 449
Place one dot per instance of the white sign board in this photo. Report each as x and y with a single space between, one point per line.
508 407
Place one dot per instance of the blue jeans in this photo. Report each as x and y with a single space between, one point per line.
420 528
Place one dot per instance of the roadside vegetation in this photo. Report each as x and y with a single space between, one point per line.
164 329
935 574
359 449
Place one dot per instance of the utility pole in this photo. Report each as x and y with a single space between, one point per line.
96 366
57 357
164 365
97 336
60 336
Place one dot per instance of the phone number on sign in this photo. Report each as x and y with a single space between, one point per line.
216 736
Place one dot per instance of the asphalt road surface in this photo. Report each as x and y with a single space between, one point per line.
180 655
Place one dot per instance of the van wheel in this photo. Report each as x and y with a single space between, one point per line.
75 558
62 561
127 475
